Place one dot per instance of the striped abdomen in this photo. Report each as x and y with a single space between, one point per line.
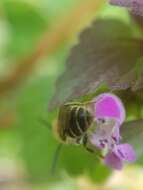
79 119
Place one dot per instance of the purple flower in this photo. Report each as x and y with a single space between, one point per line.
109 105
109 114
135 6
106 134
120 153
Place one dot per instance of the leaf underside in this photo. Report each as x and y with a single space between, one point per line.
107 53
132 133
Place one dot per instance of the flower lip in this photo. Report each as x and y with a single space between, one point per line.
119 154
125 152
113 161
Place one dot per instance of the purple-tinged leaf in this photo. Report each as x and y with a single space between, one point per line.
107 53
132 133
122 3
135 6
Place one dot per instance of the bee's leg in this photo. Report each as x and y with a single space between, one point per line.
85 139
85 143
79 140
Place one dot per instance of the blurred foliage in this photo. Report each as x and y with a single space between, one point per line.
26 24
30 140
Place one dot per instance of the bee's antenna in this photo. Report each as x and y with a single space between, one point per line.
55 159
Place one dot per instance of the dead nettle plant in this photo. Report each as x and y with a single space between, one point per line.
106 66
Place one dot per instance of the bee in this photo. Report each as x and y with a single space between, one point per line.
74 120
75 123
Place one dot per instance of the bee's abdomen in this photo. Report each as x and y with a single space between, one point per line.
79 121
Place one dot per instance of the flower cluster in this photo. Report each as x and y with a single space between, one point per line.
136 6
109 114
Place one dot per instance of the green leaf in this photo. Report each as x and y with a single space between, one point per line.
56 8
108 53
26 24
77 161
39 143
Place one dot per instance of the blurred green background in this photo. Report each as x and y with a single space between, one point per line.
26 145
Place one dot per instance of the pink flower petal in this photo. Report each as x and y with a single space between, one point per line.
125 152
113 161
109 105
